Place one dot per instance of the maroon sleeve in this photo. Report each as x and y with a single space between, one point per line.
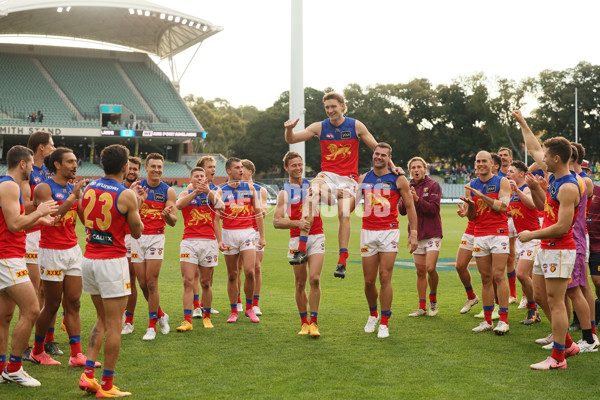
430 204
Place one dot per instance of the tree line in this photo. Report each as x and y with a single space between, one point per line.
449 122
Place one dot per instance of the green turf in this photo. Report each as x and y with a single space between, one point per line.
424 358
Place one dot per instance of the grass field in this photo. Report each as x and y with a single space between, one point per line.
424 358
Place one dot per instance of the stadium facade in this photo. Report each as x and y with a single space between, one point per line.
91 98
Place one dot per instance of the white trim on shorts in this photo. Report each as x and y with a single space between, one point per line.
238 240
512 231
56 264
490 244
466 242
148 247
424 246
202 252
108 278
337 182
13 271
374 242
552 263
314 245
32 246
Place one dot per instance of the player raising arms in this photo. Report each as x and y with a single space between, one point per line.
15 286
147 252
290 200
339 137
199 249
556 258
379 236
525 217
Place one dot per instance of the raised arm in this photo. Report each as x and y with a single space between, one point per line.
292 137
531 142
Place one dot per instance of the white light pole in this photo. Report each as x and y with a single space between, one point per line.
296 70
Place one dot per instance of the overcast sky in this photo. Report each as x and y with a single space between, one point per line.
382 41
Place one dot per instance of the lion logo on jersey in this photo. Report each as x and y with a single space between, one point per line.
482 207
516 213
199 218
149 212
375 200
550 212
69 218
335 151
237 210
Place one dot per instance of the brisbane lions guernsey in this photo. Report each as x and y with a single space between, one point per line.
62 235
381 201
13 244
37 176
296 199
563 242
104 223
154 223
198 218
257 188
238 212
339 148
487 221
525 219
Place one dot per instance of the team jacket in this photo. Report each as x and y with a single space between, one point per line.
429 221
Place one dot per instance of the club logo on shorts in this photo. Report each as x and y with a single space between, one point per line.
208 258
42 269
152 250
160 251
184 255
437 244
545 268
227 248
22 273
346 135
215 258
53 272
504 245
529 253
394 245
364 249
553 267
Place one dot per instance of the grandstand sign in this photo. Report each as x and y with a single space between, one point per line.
28 130
132 133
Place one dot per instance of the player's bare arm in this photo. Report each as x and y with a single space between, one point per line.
292 137
169 213
524 195
279 219
15 222
568 196
26 194
411 213
531 142
537 187
500 205
469 205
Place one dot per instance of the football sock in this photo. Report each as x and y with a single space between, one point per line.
487 314
248 304
89 368
587 335
14 364
373 311
128 318
234 309
470 293
207 312
187 315
343 256
255 299
153 319
38 345
558 351
304 318
196 301
503 313
49 335
385 316
512 283
422 304
75 343
313 318
302 244
107 379
432 297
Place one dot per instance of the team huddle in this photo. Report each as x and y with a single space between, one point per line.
125 218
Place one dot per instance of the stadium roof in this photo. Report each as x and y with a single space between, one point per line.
136 24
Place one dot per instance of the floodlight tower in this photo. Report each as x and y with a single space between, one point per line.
297 109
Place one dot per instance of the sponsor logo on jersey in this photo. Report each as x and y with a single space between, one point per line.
99 237
204 202
346 135
491 189
386 186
